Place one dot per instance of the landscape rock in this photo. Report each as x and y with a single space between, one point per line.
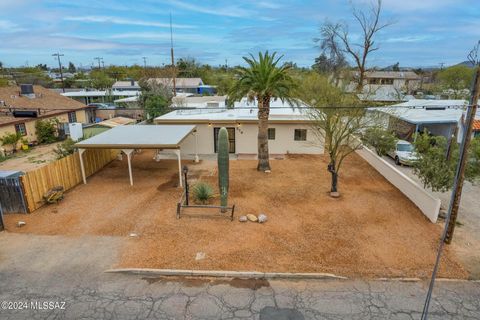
252 217
200 256
335 194
133 235
262 218
21 223
242 219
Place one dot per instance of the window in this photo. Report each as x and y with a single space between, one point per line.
271 133
72 117
300 135
20 128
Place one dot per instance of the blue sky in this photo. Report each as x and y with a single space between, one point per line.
424 33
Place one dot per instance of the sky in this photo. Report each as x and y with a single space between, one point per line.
422 33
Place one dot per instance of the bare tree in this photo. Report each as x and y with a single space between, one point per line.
336 37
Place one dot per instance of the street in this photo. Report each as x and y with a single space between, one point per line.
60 270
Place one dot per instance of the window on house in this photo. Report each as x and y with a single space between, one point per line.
72 117
300 135
271 133
20 128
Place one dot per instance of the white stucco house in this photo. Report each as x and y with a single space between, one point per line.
290 130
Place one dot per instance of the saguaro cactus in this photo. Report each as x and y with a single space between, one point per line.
223 164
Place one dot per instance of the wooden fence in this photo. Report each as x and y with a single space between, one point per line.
64 172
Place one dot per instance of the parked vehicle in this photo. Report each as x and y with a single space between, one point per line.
109 106
404 153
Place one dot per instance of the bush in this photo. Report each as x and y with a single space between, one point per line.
46 130
11 139
202 192
65 148
382 140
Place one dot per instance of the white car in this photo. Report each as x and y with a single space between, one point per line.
403 153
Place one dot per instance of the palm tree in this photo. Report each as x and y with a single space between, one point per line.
263 80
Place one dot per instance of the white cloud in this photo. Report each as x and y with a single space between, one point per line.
419 38
226 11
411 5
198 38
7 26
135 22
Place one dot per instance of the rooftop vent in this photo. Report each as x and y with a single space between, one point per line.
132 82
26 90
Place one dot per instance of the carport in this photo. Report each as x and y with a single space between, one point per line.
129 138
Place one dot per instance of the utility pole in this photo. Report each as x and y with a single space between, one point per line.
452 213
103 64
173 60
144 62
441 65
58 55
98 60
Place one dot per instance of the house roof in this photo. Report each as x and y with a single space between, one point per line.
46 102
198 102
476 125
243 111
139 136
117 121
179 82
125 84
101 93
420 111
410 75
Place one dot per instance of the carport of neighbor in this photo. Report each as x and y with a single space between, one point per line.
129 138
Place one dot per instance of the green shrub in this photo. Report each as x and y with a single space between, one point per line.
382 140
11 139
46 130
202 192
65 148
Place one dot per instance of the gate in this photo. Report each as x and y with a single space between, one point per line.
12 198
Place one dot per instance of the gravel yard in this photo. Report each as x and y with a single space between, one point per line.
373 230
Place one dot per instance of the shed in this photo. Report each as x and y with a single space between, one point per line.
129 138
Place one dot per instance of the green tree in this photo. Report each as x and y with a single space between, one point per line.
382 140
100 80
456 79
46 130
338 121
435 169
263 80
71 67
11 139
156 106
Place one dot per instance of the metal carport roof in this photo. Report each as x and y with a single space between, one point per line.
129 138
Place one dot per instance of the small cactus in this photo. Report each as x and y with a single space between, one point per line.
223 164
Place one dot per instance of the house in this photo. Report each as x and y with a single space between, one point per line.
21 107
99 96
289 129
185 85
438 117
96 128
130 85
187 101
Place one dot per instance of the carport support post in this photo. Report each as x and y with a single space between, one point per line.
80 155
177 152
129 152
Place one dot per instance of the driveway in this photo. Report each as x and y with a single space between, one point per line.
466 239
70 270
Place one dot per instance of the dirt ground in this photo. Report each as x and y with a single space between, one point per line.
373 230
31 159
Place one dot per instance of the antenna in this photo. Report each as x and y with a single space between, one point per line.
58 55
173 60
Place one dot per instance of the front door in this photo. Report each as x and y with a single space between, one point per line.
231 139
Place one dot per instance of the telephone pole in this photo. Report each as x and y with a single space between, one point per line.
58 55
173 60
103 64
452 213
144 62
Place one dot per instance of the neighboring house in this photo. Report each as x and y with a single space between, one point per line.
386 86
438 117
476 128
21 107
185 85
126 86
289 129
98 96
194 102
96 128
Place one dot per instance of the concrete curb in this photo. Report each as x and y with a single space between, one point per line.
226 274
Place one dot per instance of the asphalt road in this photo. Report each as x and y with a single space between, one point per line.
68 272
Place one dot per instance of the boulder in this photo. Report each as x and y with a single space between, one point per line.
262 218
21 223
242 219
252 217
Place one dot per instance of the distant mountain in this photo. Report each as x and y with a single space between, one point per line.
466 63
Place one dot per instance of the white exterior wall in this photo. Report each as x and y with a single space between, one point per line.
246 139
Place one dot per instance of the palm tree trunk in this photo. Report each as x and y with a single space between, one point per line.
263 113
